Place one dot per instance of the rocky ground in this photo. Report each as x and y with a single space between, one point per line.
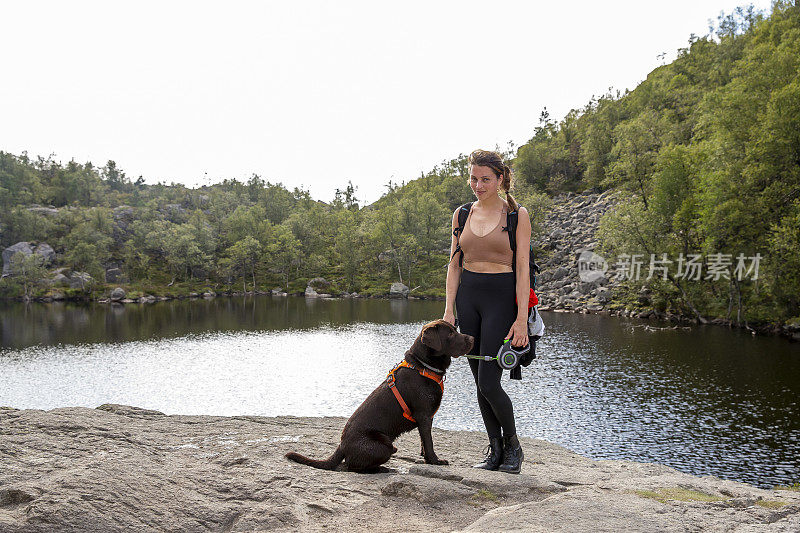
120 468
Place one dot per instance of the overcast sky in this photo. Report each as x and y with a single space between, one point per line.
314 93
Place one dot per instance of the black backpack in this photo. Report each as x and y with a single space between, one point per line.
511 227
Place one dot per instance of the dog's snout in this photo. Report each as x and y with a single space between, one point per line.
470 342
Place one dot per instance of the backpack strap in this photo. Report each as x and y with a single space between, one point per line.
463 213
512 217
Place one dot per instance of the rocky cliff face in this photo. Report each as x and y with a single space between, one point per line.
570 229
119 468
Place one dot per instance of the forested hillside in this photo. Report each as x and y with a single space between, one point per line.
706 150
233 234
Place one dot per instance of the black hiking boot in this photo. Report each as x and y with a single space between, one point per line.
512 455
494 455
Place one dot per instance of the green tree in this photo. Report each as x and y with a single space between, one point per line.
346 199
28 270
635 152
83 257
244 256
348 247
281 252
20 224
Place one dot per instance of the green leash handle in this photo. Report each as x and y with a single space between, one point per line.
507 357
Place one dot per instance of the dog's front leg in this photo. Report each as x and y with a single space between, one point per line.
424 426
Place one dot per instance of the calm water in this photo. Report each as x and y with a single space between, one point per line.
705 401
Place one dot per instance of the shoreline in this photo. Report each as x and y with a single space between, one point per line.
792 334
568 231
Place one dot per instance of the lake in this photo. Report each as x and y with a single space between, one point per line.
705 400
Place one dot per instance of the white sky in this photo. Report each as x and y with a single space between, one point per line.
313 93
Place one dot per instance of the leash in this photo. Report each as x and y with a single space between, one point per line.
507 357
481 357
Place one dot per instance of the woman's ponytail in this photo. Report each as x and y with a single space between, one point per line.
512 203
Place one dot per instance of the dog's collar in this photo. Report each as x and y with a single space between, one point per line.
429 367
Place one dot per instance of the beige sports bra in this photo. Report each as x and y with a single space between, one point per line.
493 247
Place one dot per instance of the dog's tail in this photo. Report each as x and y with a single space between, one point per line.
328 464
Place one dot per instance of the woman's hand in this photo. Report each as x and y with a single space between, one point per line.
449 316
518 333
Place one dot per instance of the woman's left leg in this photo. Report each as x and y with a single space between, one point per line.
494 327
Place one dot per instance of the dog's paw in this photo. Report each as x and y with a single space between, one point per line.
437 461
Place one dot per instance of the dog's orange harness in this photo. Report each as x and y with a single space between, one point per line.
422 372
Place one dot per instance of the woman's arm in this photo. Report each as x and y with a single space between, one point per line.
453 275
519 330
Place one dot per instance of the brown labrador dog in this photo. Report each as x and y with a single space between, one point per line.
368 435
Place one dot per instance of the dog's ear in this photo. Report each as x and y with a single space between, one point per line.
432 336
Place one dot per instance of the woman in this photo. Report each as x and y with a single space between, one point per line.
490 298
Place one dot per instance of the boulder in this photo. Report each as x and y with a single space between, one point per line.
588 286
123 215
8 253
43 249
44 211
80 280
175 213
574 295
46 251
398 290
594 305
311 293
118 294
558 273
603 295
319 284
123 218
113 275
59 277
585 288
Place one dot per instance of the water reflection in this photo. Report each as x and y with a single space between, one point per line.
73 323
706 401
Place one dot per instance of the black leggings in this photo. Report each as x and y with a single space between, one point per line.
486 308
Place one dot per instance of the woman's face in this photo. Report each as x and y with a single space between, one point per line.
483 182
